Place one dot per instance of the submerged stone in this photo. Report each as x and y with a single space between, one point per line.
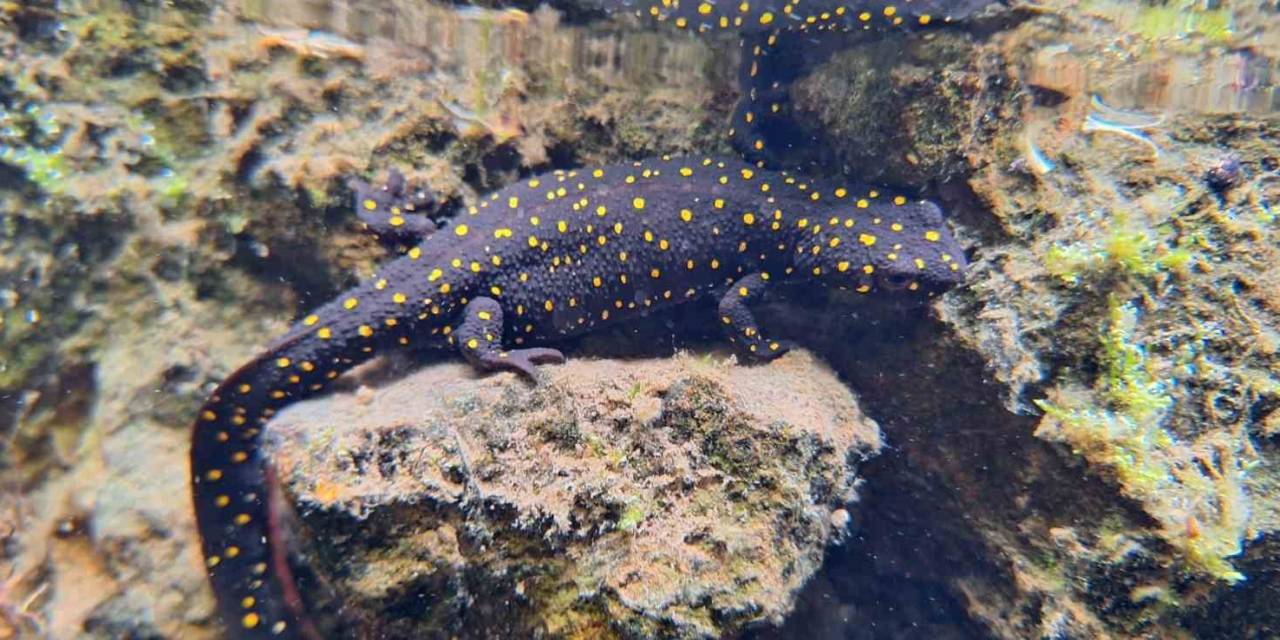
684 497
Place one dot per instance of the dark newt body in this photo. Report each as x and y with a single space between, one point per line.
557 255
744 16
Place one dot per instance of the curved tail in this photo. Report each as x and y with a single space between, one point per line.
237 519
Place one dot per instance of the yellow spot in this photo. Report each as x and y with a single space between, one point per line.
842 266
473 344
747 174
365 331
445 288
682 23
282 362
239 456
222 501
864 288
663 245
434 275
370 205
864 16
715 264
513 201
835 242
919 263
533 220
748 218
863 204
213 561
596 282
474 266
213 475
598 173
686 215
502 232
932 236
889 11
867 239
395 221
899 200
925 19
686 171
705 8
232 552
350 303
399 298
868 269
655 273
548 305
416 253
648 236
249 621
324 333
897 226
766 17
311 319
461 230
242 519
533 241
208 416
718 203
802 223
307 366
742 292
841 192
637 203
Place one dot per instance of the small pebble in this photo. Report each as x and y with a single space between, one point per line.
1224 174
840 518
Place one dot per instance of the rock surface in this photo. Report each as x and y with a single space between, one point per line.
683 497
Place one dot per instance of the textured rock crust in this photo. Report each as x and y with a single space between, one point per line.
682 497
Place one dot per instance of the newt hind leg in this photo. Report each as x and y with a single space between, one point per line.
394 213
479 338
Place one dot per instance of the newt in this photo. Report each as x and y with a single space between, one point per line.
555 255
746 16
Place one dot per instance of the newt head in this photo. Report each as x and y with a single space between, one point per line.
894 245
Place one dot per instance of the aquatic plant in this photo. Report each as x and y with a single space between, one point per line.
1194 489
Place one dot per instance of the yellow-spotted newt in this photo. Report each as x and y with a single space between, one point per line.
556 255
742 16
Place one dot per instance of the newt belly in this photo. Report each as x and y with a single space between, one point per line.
558 254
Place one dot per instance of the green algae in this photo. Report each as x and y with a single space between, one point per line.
1199 497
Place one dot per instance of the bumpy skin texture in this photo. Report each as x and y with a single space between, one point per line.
557 255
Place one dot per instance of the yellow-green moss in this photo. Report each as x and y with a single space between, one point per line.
1192 488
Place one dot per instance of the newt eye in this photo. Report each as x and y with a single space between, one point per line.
895 281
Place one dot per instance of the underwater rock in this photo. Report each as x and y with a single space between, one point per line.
684 497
